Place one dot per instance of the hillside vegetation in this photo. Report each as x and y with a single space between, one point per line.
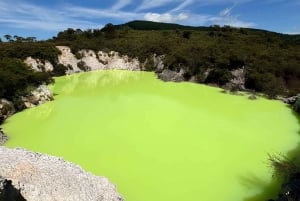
271 60
16 77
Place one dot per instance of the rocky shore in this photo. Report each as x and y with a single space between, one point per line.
26 175
87 60
34 177
3 137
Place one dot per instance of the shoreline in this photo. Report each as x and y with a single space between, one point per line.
46 94
245 93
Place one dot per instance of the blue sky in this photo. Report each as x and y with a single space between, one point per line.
43 19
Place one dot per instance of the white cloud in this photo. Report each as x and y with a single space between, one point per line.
147 4
49 26
184 4
292 33
231 21
90 13
226 12
121 4
165 17
32 16
226 18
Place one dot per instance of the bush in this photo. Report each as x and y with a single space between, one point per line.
82 66
219 76
59 70
16 77
296 105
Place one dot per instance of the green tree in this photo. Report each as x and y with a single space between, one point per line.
296 105
109 31
8 37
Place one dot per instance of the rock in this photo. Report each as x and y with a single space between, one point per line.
38 96
237 83
6 109
96 61
290 190
158 63
194 79
3 137
252 97
290 100
67 58
39 65
8 192
169 75
42 177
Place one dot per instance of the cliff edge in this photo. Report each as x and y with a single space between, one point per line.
42 177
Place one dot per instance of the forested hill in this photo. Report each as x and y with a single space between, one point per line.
209 54
271 60
148 25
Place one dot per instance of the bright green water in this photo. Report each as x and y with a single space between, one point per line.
159 141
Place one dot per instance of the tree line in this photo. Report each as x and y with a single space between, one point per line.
271 60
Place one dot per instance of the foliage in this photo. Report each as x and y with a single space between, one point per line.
283 166
59 70
271 60
296 105
148 25
16 77
82 66
219 76
109 31
22 50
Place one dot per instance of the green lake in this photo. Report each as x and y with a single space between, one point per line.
160 141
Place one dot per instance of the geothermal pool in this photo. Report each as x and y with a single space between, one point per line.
160 141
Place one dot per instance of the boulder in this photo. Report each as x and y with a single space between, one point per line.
39 65
38 96
42 177
169 75
158 63
6 109
102 60
3 137
290 100
237 83
252 97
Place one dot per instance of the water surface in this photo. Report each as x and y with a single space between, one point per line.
159 141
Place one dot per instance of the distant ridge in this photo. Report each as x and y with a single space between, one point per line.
149 25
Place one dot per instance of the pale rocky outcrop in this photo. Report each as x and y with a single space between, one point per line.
6 109
39 65
42 177
90 60
96 61
289 100
238 80
38 96
67 58
3 137
158 63
113 60
169 75
252 97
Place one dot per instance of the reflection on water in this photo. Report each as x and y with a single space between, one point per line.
92 80
160 141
